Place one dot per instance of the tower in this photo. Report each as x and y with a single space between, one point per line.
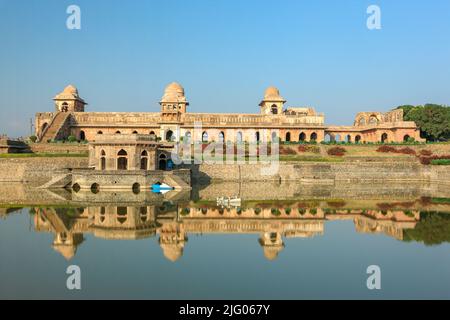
69 100
273 103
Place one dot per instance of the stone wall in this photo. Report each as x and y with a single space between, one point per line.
36 169
311 171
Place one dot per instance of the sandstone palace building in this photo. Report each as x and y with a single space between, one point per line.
174 123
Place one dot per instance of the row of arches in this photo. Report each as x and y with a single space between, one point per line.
385 138
302 137
122 160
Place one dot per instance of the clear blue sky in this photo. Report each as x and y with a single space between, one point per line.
225 53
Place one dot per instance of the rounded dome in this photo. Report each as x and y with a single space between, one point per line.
174 93
272 92
175 87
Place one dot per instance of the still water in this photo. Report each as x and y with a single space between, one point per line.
296 246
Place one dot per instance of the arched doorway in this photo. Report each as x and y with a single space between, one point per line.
162 161
302 137
288 137
82 136
144 160
337 138
187 137
205 136
348 138
328 138
384 138
122 160
406 138
103 160
313 137
239 137
274 137
257 136
169 136
221 137
358 139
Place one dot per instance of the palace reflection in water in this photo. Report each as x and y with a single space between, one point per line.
172 223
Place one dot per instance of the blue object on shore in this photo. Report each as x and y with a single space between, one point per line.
158 188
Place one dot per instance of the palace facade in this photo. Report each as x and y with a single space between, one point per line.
174 123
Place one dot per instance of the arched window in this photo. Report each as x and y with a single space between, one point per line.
205 136
169 135
362 122
82 136
274 109
122 160
313 136
274 137
99 132
153 136
288 137
373 120
144 160
122 213
135 132
358 139
65 107
239 137
187 137
118 132
44 127
221 137
302 137
384 138
103 160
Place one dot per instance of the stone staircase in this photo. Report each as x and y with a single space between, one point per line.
55 126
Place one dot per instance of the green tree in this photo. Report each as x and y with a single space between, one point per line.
432 119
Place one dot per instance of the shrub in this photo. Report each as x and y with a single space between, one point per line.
33 139
287 151
386 149
337 151
71 139
441 162
426 153
436 160
408 151
308 148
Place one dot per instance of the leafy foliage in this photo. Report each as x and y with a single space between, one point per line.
432 119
